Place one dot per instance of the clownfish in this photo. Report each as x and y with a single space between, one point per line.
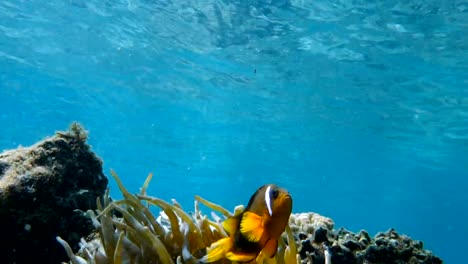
255 229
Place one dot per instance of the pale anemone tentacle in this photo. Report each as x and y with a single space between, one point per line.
73 258
327 254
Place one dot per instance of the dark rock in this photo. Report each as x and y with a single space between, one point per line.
341 255
321 235
381 254
302 236
306 248
380 241
351 248
419 245
406 253
364 237
44 191
352 245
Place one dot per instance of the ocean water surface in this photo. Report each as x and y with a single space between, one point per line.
358 108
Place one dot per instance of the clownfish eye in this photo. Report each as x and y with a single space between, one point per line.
274 193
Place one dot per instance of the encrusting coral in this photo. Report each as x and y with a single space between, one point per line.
128 232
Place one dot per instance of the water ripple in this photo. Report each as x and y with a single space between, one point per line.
399 65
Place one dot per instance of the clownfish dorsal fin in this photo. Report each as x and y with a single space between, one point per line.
231 224
252 226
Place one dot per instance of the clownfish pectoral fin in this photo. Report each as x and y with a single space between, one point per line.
252 226
270 248
231 224
241 257
218 250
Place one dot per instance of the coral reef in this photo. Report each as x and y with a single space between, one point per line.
43 189
321 244
138 236
129 232
53 203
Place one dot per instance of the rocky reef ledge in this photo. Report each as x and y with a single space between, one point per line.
50 213
44 191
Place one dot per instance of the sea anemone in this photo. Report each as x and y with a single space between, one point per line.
129 232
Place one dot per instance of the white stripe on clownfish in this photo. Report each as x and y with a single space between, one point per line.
268 200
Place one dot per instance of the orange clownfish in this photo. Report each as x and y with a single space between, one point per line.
256 229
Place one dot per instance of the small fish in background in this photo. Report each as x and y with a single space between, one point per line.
256 229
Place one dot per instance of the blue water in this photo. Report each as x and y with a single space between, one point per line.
359 108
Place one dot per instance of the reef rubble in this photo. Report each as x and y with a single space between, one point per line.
44 191
54 207
318 240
